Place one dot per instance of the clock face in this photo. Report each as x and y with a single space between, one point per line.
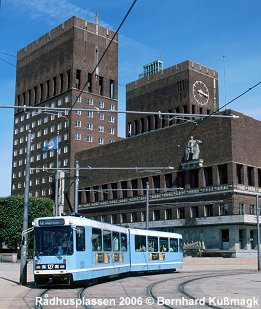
200 92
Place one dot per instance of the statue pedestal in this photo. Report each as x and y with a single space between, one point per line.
192 164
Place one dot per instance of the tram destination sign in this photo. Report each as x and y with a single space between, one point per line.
51 222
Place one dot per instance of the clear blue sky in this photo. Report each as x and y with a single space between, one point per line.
174 31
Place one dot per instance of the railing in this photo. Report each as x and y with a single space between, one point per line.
162 195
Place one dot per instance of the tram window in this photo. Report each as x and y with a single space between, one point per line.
96 240
47 240
153 244
173 246
115 241
123 242
140 243
80 238
164 246
106 240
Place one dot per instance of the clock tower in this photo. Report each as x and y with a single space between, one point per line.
187 88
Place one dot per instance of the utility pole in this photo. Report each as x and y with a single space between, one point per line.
147 205
57 176
258 235
76 186
24 247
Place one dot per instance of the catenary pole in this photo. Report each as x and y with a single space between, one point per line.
57 174
258 234
76 187
24 247
147 205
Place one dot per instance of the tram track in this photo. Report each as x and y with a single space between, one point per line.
183 290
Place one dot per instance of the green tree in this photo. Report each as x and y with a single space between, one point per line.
11 216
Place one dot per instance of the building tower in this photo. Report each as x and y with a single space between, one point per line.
187 87
51 72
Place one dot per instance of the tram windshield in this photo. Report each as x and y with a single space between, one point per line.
53 240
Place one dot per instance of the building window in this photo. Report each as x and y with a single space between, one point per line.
89 83
78 112
112 119
111 131
123 218
65 149
78 123
61 82
225 235
134 217
101 128
240 178
101 104
100 141
77 136
112 107
89 138
223 209
78 98
208 211
194 211
111 89
222 172
259 177
101 116
241 209
90 126
181 213
65 162
155 215
90 101
90 114
168 214
208 176
100 85
251 209
250 176
78 79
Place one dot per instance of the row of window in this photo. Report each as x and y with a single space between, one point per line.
154 122
78 124
172 214
91 113
39 133
104 240
46 90
101 104
28 115
64 163
157 244
89 138
246 175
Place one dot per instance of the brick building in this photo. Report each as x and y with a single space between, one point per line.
210 198
51 72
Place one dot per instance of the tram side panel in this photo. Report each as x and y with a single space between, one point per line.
152 250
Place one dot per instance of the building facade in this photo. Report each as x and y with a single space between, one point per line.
59 70
210 194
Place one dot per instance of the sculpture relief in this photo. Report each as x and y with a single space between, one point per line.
192 151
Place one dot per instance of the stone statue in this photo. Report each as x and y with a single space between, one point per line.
192 150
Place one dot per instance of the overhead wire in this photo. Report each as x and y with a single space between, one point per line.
106 49
213 113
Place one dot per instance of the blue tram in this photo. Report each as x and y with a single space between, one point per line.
70 249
